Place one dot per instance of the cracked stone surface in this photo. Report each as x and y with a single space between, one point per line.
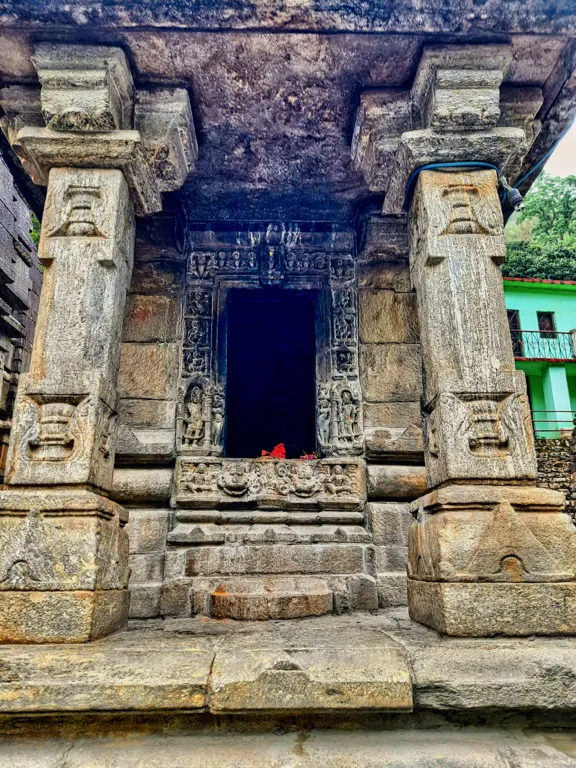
380 662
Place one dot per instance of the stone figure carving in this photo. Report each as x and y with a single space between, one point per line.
194 418
304 481
198 302
258 480
217 419
340 419
234 479
345 360
201 480
272 258
323 414
195 360
202 417
338 481
342 267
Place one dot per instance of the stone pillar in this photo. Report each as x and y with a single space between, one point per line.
489 553
63 544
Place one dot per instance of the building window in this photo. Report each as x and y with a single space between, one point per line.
515 332
546 325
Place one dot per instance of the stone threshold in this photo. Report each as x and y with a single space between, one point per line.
356 663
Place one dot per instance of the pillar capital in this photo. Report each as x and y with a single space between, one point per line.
458 110
87 114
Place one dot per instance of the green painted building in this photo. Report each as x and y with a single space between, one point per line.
542 319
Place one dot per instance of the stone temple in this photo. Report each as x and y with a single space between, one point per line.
262 223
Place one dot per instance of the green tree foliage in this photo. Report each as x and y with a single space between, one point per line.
534 260
542 238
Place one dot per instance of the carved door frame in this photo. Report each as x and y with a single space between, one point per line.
212 274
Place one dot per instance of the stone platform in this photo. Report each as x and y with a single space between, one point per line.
327 692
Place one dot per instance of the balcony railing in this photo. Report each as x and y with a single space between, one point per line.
543 345
552 423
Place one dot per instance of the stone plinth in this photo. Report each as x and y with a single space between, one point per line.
63 566
508 551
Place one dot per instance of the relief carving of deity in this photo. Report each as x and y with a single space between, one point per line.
304 481
337 481
202 415
194 418
340 419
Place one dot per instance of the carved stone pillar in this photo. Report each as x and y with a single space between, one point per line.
498 555
489 553
63 544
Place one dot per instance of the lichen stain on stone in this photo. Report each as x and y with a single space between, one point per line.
301 738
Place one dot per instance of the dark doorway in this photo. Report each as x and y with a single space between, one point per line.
270 396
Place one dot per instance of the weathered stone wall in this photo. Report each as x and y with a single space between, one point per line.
20 281
554 466
147 384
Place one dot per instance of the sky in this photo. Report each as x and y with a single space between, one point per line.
562 162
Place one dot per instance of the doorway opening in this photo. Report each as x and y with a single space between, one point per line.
271 372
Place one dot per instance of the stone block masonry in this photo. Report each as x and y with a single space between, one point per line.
20 278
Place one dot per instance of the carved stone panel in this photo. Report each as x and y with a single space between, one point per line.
476 436
200 417
62 541
492 534
61 439
206 483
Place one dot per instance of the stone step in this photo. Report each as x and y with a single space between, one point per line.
261 599
209 533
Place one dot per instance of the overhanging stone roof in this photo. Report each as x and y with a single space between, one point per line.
275 85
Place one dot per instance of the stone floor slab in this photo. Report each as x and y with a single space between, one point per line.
126 671
329 663
465 748
309 667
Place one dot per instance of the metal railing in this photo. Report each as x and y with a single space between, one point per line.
543 345
552 423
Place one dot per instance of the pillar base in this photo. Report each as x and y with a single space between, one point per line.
63 566
482 610
61 617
